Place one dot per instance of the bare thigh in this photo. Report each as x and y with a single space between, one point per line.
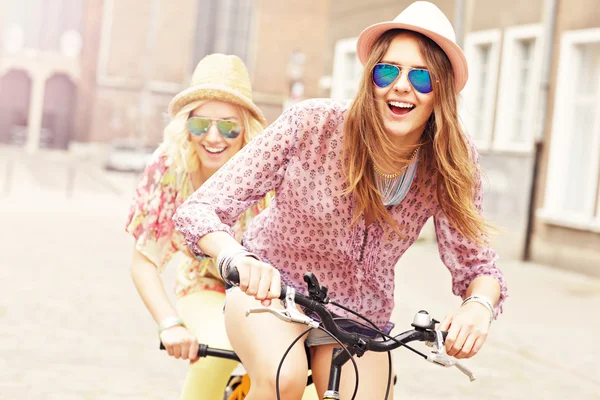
260 340
372 371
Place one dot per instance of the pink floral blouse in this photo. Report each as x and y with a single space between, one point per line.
159 193
307 225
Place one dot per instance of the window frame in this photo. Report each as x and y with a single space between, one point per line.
473 40
215 34
551 212
339 84
508 89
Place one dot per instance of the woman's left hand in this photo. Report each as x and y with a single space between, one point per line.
467 330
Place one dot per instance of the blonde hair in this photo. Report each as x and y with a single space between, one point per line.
444 152
176 143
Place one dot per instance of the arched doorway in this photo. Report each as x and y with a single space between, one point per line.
59 108
15 93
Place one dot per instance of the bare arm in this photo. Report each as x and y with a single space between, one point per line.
212 243
486 286
179 342
150 287
468 327
257 278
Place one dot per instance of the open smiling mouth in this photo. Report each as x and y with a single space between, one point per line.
215 150
400 108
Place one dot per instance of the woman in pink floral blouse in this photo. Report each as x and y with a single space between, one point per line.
354 184
210 122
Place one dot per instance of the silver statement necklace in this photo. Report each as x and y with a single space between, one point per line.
394 187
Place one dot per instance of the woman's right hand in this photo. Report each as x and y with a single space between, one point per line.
258 279
180 343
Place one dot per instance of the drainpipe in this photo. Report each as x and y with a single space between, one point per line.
459 19
550 12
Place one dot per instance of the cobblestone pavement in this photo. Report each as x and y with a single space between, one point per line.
72 326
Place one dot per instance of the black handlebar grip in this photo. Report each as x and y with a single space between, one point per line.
202 349
283 292
233 276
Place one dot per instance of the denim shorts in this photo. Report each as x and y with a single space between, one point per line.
317 337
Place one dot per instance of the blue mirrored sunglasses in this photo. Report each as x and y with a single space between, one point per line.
386 74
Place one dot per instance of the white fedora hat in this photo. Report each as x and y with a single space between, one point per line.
427 19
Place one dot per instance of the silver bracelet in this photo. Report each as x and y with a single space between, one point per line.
483 301
169 323
227 258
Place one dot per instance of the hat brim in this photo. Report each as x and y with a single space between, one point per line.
214 92
454 53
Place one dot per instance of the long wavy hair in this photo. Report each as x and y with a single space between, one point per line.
176 142
445 152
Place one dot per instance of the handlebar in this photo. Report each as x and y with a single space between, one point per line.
205 351
423 333
424 327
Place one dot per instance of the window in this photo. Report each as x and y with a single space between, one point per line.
347 70
44 21
519 87
224 26
574 162
482 50
27 15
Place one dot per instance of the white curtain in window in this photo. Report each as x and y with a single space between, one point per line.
478 100
224 26
44 21
27 14
347 70
481 84
522 74
352 74
580 151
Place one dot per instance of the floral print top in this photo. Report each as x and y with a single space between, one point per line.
156 198
307 225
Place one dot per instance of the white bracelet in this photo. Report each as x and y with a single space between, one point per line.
483 301
169 323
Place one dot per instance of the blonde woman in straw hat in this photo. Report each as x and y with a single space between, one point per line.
354 184
210 122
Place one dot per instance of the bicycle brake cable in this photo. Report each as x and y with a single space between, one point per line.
296 341
374 328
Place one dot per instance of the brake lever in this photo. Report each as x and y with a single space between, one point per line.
289 314
445 361
439 357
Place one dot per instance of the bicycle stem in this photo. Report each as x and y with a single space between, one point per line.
338 359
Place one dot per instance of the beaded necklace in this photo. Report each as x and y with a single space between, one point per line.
394 187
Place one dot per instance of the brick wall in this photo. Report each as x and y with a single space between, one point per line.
279 29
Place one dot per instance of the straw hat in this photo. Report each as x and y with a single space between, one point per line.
219 77
425 18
